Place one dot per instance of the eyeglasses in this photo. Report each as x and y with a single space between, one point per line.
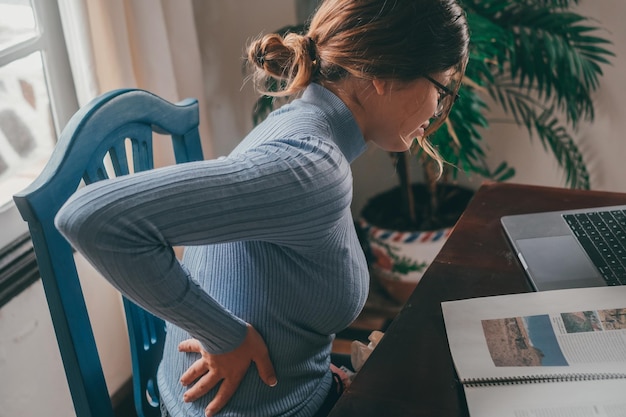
446 98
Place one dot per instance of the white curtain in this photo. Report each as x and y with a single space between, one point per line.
147 44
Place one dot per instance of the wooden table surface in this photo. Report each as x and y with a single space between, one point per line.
411 372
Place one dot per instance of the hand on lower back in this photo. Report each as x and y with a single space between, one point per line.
229 368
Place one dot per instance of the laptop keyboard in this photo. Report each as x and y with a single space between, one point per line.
603 235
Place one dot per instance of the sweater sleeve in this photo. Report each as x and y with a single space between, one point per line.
285 192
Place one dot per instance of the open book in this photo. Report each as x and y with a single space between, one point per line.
541 354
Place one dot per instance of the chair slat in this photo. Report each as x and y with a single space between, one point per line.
143 158
119 158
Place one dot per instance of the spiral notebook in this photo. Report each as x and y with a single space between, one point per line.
550 353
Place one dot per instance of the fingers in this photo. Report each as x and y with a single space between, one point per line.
229 368
201 387
199 367
262 360
224 393
266 369
195 371
190 345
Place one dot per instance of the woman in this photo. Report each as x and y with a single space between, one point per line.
272 267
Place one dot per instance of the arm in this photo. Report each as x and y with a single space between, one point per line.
126 226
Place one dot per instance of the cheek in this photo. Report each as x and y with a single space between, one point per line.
420 113
422 109
431 106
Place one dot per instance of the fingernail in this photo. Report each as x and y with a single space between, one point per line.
273 382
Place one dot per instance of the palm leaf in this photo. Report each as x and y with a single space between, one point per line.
538 61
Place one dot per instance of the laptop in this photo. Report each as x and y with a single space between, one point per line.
570 249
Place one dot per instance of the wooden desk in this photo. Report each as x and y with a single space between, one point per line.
411 372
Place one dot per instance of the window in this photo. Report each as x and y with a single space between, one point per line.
37 97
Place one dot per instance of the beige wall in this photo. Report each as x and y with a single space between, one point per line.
224 30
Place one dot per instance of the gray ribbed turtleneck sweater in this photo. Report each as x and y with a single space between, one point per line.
269 240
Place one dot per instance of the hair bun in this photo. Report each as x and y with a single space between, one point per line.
311 48
258 55
293 59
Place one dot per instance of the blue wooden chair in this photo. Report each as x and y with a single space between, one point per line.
113 133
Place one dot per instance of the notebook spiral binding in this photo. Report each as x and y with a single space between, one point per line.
534 379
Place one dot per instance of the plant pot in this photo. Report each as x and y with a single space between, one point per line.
398 258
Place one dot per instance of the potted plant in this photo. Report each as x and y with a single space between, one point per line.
538 60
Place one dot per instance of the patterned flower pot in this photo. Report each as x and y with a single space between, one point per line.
399 258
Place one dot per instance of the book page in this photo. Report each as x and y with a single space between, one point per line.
538 334
562 399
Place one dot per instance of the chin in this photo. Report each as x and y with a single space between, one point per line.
401 147
398 145
393 147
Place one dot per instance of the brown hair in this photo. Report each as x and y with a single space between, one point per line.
371 39
386 39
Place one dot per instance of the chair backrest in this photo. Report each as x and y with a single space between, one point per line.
111 136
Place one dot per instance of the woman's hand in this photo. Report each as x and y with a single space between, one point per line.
229 368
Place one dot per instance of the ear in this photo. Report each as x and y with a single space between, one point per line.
380 86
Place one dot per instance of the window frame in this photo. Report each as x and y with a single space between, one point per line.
18 267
